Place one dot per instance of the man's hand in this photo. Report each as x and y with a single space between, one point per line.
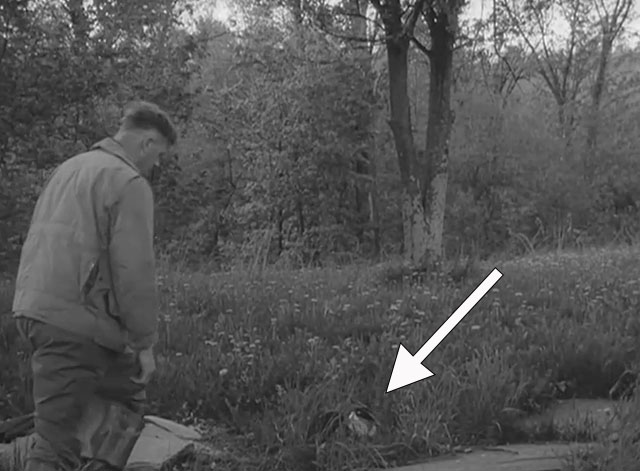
147 364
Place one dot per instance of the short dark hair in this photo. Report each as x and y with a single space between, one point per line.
146 115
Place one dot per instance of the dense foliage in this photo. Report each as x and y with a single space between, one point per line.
285 154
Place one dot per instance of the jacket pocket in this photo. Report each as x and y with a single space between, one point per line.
97 289
89 280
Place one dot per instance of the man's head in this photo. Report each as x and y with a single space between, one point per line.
146 134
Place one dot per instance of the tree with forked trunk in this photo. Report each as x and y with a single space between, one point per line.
424 175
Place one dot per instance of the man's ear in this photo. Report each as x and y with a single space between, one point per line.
148 138
147 142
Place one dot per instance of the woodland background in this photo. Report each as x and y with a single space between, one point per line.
286 156
287 160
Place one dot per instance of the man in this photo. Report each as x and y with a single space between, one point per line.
85 294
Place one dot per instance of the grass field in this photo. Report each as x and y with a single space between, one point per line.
267 354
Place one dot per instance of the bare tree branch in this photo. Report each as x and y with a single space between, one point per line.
357 39
421 47
547 52
572 44
463 44
410 24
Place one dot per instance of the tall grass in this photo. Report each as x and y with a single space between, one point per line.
267 353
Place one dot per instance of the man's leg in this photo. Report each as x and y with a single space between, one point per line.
117 386
123 402
66 372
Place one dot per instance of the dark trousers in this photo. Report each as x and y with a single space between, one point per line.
68 372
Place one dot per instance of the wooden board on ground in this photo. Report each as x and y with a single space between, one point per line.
525 457
161 441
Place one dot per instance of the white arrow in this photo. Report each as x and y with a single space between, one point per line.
408 368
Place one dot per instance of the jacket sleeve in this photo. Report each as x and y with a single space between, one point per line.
133 263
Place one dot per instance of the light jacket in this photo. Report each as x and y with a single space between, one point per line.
87 264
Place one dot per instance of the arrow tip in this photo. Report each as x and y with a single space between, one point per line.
406 370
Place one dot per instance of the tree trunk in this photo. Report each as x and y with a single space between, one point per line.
596 94
358 202
79 23
566 121
440 122
368 200
424 181
300 213
374 217
414 223
611 23
280 225
372 195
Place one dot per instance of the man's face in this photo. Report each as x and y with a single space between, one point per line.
153 149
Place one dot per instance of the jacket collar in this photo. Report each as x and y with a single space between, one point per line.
113 147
